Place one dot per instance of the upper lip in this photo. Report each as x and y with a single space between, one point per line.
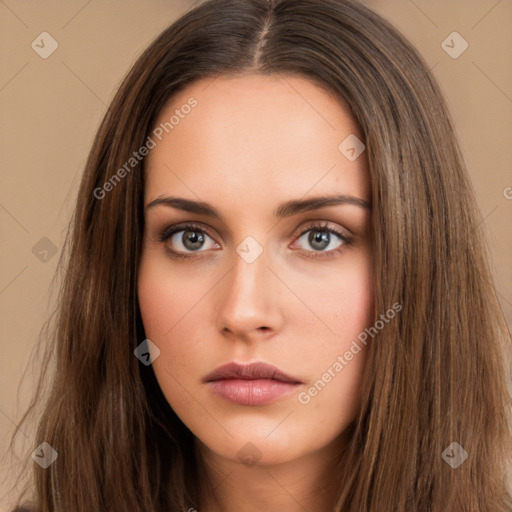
258 370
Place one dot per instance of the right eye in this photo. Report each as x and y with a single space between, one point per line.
183 240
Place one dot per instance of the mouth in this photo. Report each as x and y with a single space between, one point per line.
251 384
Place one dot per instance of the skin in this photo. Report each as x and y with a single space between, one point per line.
252 143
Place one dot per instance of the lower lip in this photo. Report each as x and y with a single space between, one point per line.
252 392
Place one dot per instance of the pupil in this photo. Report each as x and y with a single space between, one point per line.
319 237
192 240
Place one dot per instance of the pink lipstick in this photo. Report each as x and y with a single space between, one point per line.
251 384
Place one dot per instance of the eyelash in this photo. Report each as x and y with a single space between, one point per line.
168 232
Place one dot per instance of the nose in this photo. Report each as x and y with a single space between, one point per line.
251 300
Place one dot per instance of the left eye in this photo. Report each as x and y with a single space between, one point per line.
323 239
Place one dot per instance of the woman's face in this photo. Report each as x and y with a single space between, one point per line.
259 276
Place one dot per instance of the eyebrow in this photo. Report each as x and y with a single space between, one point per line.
286 209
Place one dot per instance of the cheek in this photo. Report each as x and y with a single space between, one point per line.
352 308
345 305
161 308
165 299
159 305
166 306
342 300
170 311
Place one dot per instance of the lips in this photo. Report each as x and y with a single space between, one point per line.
251 384
250 371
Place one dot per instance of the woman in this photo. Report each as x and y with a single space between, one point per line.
335 342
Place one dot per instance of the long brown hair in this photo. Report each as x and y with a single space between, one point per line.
433 377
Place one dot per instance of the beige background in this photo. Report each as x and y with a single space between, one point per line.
52 107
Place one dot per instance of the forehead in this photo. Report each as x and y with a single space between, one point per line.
254 137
